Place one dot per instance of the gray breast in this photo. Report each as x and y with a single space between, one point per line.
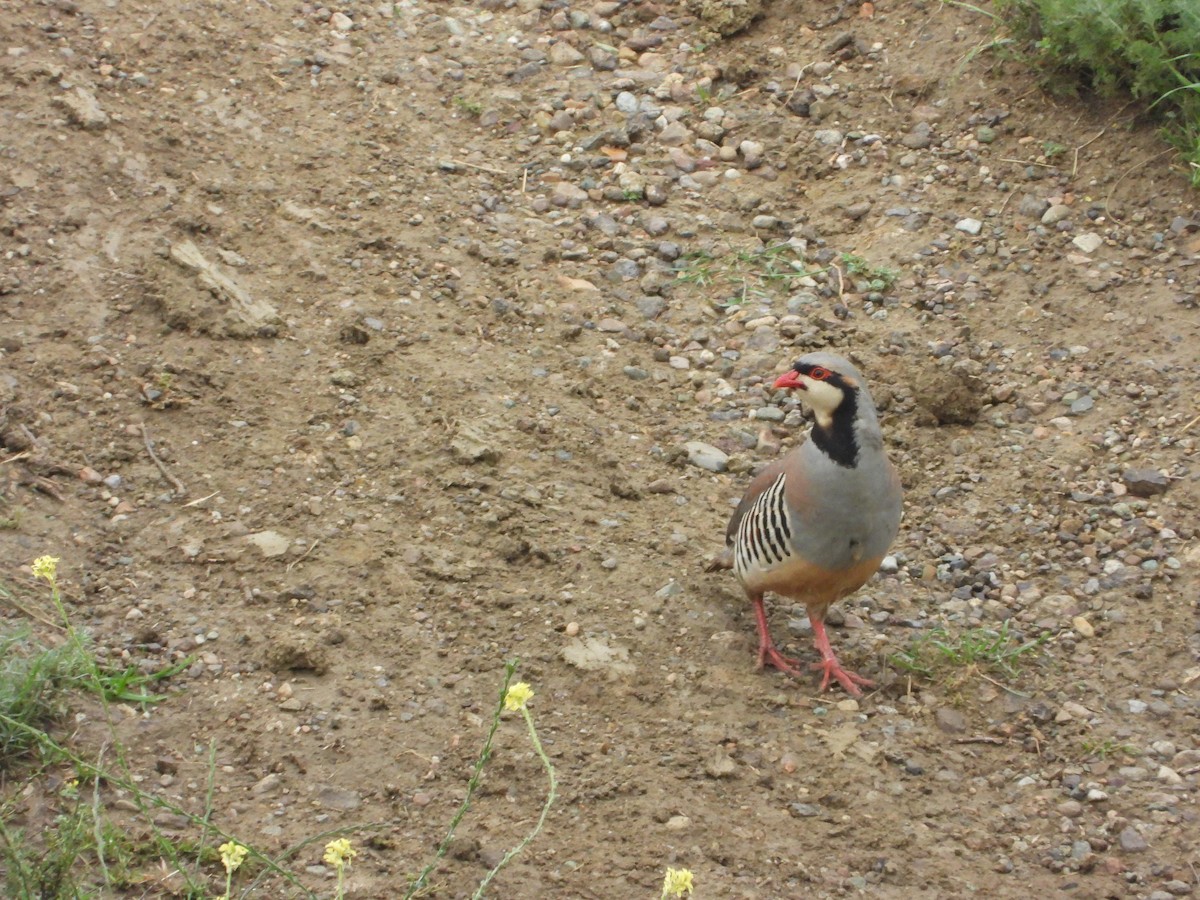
851 514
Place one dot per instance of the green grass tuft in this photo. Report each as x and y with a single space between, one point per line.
35 684
1102 748
942 655
878 278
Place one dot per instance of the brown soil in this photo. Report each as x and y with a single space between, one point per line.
419 409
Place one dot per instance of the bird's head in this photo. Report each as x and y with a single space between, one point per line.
827 382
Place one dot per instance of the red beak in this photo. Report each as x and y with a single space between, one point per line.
789 379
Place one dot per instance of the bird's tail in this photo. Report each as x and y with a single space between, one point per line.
723 560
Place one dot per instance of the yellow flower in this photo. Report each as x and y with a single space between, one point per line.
517 696
232 854
45 567
339 853
677 883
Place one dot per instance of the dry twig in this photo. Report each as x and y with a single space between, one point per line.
1129 171
300 558
175 482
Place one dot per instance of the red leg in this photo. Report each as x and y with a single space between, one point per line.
768 653
829 662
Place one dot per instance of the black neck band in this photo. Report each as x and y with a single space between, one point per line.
837 440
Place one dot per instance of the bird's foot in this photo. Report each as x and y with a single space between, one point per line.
769 655
847 679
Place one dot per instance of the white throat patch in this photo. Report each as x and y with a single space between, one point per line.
823 398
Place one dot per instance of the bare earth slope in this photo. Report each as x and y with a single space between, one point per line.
419 306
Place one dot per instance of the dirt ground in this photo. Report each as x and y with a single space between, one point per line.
355 351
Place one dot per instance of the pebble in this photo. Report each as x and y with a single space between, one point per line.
1145 482
1088 242
969 226
563 54
626 102
706 456
268 784
950 720
1131 840
1055 214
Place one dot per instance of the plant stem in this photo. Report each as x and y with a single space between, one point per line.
553 792
472 785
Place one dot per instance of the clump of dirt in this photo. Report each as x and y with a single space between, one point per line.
727 17
303 654
946 396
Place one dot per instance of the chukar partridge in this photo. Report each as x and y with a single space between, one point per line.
814 525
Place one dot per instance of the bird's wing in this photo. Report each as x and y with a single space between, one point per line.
761 482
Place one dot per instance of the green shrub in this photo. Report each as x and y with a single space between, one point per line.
1149 48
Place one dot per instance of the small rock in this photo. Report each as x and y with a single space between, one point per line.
626 102
1167 775
706 456
83 109
1083 627
339 798
270 543
563 54
1055 214
969 226
1131 840
720 765
1088 242
950 720
919 138
268 784
856 211
569 195
675 134
471 446
1033 207
1145 482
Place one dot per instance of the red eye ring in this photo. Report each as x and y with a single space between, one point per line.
819 373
